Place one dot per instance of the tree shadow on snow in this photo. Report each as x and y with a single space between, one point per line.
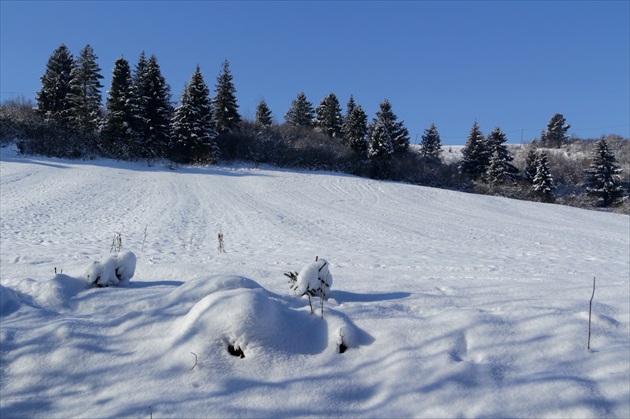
352 297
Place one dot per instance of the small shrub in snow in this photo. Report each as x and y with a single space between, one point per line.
314 280
118 268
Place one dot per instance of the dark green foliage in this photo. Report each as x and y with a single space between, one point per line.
530 164
430 146
263 114
476 154
499 170
54 99
356 129
85 89
380 149
328 117
226 114
396 130
301 113
604 175
543 184
193 129
117 132
556 133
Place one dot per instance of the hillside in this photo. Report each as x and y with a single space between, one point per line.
451 304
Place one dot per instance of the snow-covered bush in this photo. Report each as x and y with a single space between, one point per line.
313 280
118 268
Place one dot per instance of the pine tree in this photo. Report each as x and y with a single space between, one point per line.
301 113
263 114
476 154
430 145
604 175
117 131
543 183
54 99
530 165
193 129
226 114
328 118
556 133
86 91
397 132
152 109
380 149
499 168
356 129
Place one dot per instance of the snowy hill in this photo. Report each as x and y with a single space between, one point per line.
450 304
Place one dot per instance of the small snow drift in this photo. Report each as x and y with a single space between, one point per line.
116 269
9 302
314 279
242 319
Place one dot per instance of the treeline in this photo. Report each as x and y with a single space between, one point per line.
140 121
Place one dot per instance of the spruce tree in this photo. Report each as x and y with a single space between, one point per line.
530 165
604 175
397 132
556 133
380 149
430 145
117 131
226 114
543 183
193 129
499 168
356 129
476 154
263 114
54 99
328 118
86 91
301 113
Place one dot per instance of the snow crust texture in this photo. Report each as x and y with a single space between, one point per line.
449 304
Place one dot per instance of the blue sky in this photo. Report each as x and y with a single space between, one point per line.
502 63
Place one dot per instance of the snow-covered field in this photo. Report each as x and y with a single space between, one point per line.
450 304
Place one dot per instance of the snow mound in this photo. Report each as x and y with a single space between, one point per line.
116 269
52 294
314 279
9 302
250 319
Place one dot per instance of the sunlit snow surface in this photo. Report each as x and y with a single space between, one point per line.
451 304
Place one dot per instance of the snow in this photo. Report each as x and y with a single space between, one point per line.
449 304
115 269
314 277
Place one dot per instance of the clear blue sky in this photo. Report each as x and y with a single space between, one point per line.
503 63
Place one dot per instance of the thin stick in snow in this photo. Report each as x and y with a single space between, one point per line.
590 309
193 367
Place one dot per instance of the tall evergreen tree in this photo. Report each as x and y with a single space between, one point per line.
430 145
263 114
476 154
530 165
54 98
328 117
117 131
226 114
397 132
356 129
152 109
86 91
604 175
543 183
556 133
499 168
380 149
193 129
301 113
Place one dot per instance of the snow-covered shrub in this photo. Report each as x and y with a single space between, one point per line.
118 268
313 280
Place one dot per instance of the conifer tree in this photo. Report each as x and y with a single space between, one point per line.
301 113
530 165
380 149
356 129
430 145
543 183
86 91
397 132
604 175
193 129
328 118
263 114
476 154
556 133
117 131
226 114
54 98
499 168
